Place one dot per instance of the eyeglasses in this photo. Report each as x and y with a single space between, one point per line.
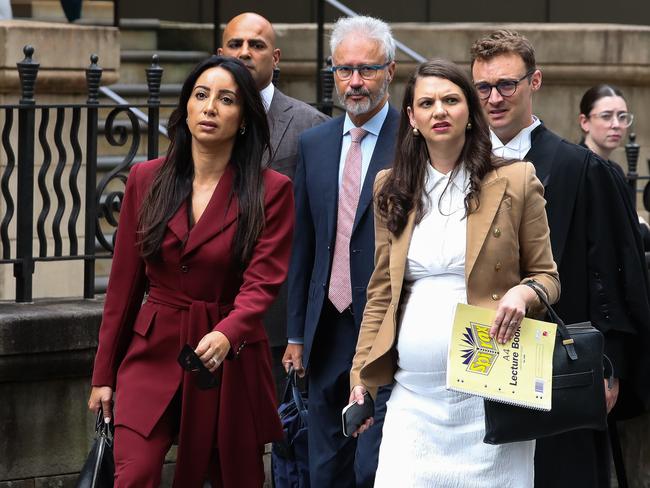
189 361
625 119
366 71
506 88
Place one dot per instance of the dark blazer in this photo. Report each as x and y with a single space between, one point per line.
316 193
194 288
288 118
598 250
630 193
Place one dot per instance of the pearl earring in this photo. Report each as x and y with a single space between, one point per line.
469 125
416 132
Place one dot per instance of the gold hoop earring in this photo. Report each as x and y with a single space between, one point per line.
469 125
416 132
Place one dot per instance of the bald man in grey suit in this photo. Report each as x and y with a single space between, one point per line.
251 38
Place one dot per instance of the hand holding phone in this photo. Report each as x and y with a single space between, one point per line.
355 414
189 361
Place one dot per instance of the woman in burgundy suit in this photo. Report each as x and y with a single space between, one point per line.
208 233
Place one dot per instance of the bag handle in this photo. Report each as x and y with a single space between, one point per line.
292 385
102 428
567 340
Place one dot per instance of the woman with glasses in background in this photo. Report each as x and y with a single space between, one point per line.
604 120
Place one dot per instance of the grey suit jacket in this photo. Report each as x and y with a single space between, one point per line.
288 118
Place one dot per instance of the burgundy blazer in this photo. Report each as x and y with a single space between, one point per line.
194 288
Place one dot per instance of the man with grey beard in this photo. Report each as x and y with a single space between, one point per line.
333 249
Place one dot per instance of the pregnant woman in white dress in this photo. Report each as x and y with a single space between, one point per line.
453 224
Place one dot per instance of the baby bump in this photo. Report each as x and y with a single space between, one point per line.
425 326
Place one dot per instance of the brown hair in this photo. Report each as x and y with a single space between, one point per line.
404 187
504 41
594 94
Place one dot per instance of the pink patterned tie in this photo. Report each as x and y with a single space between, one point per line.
340 291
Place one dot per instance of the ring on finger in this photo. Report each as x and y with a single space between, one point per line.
513 323
213 362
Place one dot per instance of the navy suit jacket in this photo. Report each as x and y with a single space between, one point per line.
316 195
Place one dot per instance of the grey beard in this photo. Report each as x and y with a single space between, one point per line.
365 106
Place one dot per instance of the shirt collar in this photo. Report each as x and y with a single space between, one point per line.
373 126
460 181
519 142
267 96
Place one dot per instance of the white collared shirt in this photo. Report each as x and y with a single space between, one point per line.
518 147
455 191
368 143
267 96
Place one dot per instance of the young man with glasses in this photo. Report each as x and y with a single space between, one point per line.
595 242
333 250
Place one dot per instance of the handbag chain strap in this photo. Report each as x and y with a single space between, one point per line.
567 340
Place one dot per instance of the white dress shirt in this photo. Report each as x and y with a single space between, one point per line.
267 96
518 147
434 282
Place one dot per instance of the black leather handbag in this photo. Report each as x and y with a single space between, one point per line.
99 469
578 398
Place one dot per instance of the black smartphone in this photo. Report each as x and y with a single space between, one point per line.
355 414
189 361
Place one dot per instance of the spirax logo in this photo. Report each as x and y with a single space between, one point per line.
482 352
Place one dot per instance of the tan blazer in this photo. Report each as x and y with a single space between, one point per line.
507 243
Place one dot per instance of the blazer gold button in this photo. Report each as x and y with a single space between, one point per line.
497 266
495 296
496 232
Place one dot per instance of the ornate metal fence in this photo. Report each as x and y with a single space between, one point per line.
45 185
57 139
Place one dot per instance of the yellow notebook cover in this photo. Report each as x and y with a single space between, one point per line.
519 372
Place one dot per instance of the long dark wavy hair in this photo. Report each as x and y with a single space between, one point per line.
173 182
404 187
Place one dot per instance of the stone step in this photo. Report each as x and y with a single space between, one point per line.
176 64
139 34
96 12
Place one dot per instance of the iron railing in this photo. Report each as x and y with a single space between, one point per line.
55 144
43 211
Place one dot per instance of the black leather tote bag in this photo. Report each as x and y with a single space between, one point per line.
578 398
99 469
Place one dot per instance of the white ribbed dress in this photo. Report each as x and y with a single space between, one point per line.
433 437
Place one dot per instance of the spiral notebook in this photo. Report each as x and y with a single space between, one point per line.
519 372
